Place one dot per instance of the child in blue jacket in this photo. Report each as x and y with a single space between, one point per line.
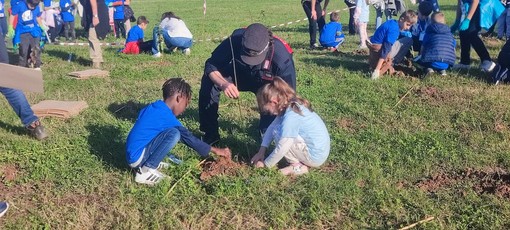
66 11
331 35
157 131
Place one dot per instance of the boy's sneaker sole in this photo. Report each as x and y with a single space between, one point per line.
151 177
4 206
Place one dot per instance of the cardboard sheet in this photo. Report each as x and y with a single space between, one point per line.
21 78
62 109
86 74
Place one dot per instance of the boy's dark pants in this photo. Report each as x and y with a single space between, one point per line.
120 30
29 43
208 102
146 46
69 28
470 38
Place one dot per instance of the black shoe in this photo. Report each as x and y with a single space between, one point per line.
37 130
211 139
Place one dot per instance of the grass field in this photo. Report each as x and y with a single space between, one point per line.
403 149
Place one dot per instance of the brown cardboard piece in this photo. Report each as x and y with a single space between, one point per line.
62 109
86 74
21 78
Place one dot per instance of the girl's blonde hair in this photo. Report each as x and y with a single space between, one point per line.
284 94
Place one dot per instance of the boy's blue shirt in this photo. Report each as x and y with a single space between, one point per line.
47 3
331 32
27 19
135 34
67 9
152 120
386 35
2 9
118 11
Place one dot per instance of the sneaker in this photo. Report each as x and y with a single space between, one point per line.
461 66
4 206
499 74
295 169
186 51
157 55
429 72
163 165
443 72
211 139
145 175
314 46
487 66
37 130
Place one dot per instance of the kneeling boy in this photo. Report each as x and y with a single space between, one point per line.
157 131
384 47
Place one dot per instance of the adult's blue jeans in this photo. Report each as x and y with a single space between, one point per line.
159 147
15 97
170 42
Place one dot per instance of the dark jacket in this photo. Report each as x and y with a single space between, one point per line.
504 55
103 28
249 77
438 44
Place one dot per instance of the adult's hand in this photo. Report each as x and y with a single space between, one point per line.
314 15
230 90
464 25
95 21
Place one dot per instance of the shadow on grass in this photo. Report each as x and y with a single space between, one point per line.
353 63
107 142
19 130
126 110
63 55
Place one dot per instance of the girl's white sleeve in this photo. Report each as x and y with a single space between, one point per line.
268 135
282 147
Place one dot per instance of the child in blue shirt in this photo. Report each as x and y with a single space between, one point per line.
331 35
384 46
157 130
28 31
66 11
425 10
134 41
118 18
300 135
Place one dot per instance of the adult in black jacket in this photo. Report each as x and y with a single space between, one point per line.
96 21
256 56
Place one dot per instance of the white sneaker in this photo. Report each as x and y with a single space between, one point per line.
429 72
487 66
443 73
186 51
149 176
157 55
295 169
461 66
163 165
375 75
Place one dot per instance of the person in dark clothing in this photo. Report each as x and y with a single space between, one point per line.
500 72
352 9
246 61
316 21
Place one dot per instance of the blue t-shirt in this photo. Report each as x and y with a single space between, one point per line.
67 10
27 19
2 9
386 35
135 34
332 32
118 11
311 128
152 120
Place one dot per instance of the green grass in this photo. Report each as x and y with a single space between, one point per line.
78 178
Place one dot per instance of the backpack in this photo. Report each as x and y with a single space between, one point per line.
396 7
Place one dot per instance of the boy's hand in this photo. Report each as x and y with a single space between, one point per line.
375 74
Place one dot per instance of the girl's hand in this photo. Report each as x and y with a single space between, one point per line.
259 164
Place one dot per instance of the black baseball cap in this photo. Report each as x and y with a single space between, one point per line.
255 44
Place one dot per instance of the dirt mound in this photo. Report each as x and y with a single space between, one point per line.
8 173
488 181
220 166
361 52
429 92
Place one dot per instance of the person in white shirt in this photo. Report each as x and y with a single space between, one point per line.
176 34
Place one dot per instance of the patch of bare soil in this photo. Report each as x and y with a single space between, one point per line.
430 93
493 42
220 167
486 181
360 52
8 172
